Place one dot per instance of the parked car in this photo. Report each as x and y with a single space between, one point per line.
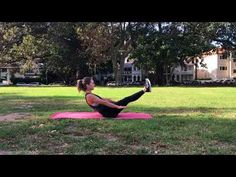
111 83
34 83
22 84
229 81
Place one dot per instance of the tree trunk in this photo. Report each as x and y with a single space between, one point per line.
159 73
172 71
114 66
196 66
167 78
9 74
118 62
120 70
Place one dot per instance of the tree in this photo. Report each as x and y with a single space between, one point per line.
95 42
54 44
169 45
196 41
124 37
111 41
20 47
68 60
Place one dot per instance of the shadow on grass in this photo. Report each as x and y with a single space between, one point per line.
14 102
179 130
182 110
169 135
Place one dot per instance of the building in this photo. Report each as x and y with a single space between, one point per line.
8 71
131 72
182 74
220 64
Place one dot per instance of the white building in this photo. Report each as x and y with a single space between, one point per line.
7 71
182 74
220 64
131 72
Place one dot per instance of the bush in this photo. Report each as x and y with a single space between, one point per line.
25 80
204 79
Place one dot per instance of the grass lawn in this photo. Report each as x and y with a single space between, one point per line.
186 121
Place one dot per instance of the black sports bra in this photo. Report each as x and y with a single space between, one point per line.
94 107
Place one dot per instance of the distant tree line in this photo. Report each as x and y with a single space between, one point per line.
72 50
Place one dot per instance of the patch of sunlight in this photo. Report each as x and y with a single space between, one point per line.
231 116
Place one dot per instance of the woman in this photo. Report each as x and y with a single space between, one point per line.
107 107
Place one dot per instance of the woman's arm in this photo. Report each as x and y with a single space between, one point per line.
108 99
93 99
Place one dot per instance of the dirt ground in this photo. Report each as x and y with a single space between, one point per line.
15 116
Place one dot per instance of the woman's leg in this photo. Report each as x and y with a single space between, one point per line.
113 112
109 112
125 101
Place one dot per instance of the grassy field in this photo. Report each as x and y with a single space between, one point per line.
186 121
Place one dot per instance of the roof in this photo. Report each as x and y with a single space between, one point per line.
214 51
219 50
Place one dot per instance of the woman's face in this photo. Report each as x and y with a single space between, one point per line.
91 85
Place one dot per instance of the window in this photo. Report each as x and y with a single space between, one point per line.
129 78
223 56
190 68
189 77
183 68
223 68
233 54
17 70
127 70
4 70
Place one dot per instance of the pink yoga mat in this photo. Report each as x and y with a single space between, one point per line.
96 115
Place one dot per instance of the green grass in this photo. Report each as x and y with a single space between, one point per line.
186 121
